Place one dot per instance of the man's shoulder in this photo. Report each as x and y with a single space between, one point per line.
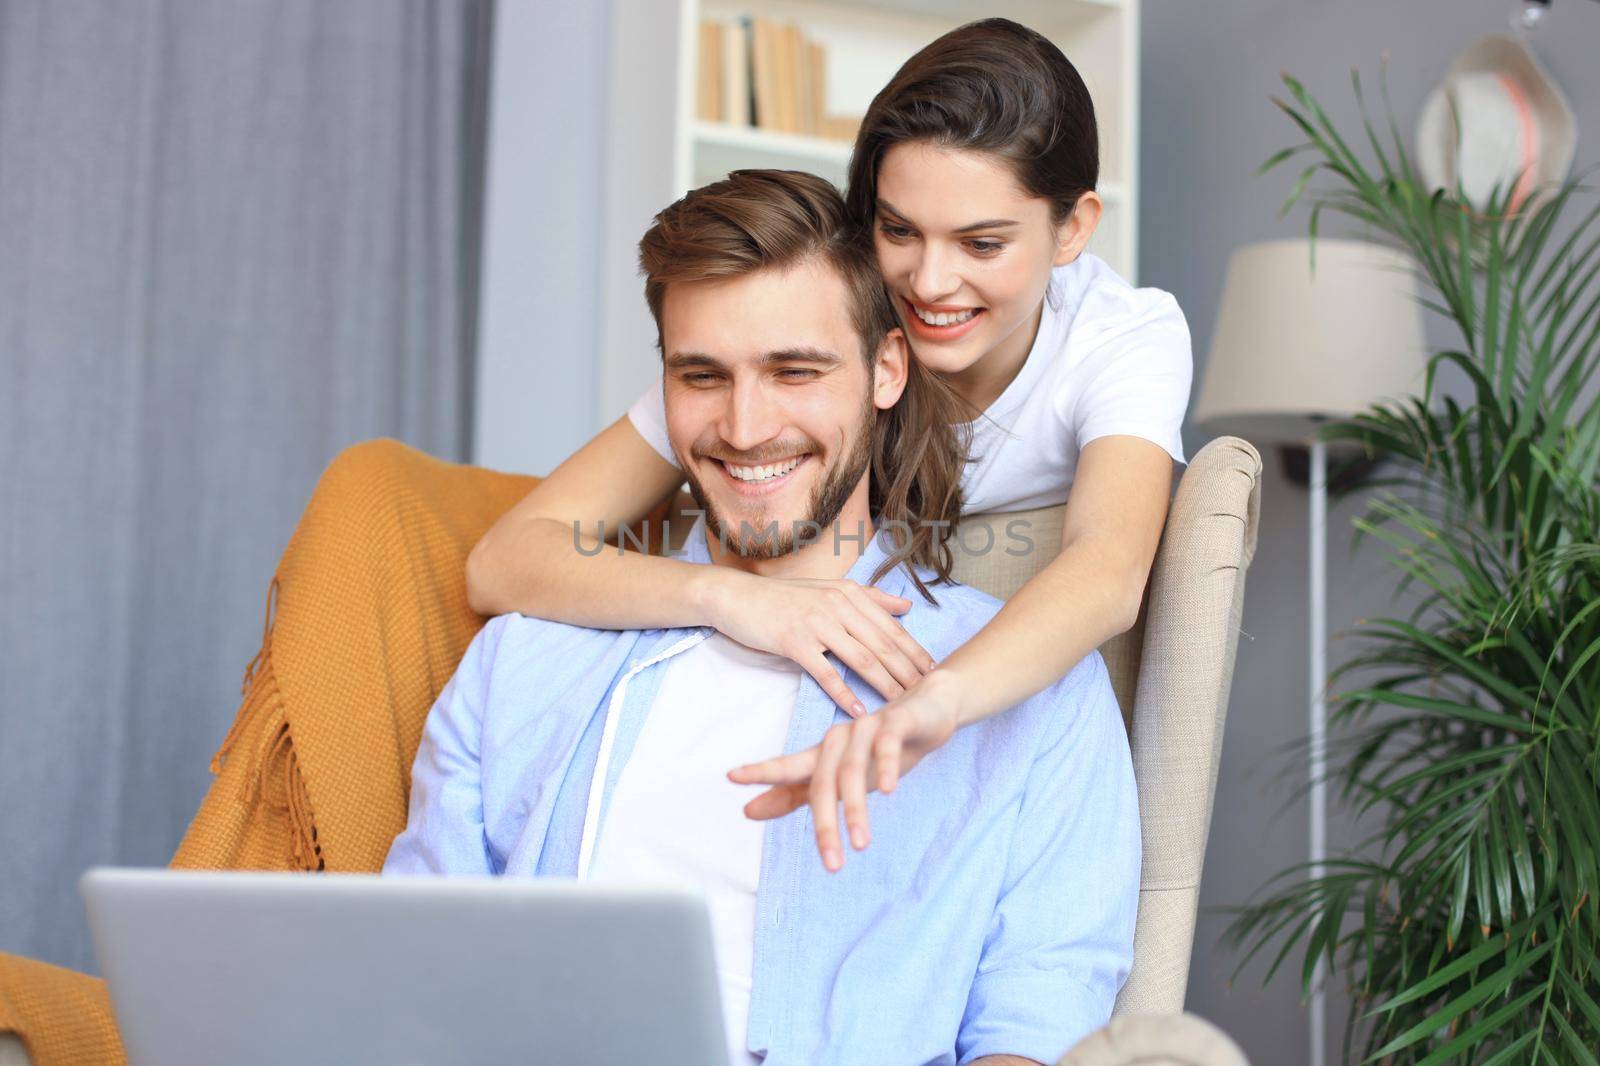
956 613
962 610
518 641
966 601
1088 681
512 630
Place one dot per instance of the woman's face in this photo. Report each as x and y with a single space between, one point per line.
966 253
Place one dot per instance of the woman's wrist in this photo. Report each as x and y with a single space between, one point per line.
712 591
954 691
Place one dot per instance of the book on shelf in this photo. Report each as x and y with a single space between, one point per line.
766 74
813 87
839 127
794 80
763 74
779 115
737 109
709 83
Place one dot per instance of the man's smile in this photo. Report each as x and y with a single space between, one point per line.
763 480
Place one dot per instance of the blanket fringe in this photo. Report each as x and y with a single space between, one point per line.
273 760
252 692
266 636
303 841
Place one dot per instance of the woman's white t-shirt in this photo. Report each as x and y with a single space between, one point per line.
1109 359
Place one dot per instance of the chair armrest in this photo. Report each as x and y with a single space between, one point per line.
1156 1040
1191 631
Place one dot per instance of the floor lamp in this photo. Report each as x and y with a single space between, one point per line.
1300 342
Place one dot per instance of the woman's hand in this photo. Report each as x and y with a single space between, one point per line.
801 619
853 758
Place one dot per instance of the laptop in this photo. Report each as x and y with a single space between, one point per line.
292 969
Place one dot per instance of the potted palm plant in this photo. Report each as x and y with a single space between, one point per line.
1467 924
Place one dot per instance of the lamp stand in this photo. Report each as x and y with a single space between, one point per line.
1319 716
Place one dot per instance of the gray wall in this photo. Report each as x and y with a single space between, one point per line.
1209 67
539 303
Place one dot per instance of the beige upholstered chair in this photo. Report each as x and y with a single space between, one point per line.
1171 672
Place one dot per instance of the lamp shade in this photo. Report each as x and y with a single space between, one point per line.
1294 348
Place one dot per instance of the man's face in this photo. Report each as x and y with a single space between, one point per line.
770 405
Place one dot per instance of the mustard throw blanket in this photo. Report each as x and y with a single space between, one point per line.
367 617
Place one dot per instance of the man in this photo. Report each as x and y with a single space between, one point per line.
993 919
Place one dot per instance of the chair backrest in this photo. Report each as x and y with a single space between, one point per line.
1171 673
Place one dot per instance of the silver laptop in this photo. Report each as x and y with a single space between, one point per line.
248 968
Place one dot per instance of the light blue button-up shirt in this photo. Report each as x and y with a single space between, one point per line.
992 914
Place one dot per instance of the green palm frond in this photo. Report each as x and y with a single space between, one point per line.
1467 923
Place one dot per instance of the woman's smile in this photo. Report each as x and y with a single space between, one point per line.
937 322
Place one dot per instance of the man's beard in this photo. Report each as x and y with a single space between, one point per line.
828 498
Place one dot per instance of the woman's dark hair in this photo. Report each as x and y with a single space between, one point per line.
991 86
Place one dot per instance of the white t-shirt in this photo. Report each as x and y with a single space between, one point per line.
1109 359
674 817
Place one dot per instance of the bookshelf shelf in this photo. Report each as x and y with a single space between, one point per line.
1036 13
720 147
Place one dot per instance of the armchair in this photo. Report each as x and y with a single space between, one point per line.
314 773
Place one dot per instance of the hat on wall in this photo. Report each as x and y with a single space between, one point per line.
1497 119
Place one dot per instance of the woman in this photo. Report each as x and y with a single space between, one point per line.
974 173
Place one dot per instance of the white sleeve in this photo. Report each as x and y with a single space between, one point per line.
1137 380
649 416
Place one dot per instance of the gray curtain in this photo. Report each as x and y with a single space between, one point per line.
235 237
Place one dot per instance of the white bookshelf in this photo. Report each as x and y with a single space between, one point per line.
658 149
